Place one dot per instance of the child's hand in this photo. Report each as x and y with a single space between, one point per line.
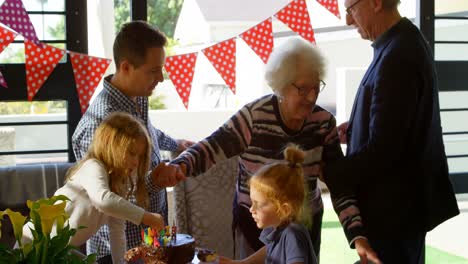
155 221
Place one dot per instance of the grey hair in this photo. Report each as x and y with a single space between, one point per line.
293 59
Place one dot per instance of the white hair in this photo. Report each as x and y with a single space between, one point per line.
295 58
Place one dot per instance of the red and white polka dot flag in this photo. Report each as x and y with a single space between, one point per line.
260 39
2 81
14 15
223 57
88 72
6 37
181 69
40 62
332 6
296 16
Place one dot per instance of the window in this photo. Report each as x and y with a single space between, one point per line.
40 131
445 24
48 19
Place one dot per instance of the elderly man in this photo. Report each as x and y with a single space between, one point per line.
395 160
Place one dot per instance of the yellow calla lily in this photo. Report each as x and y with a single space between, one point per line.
17 221
61 221
48 214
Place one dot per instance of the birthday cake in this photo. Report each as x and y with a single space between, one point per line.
174 249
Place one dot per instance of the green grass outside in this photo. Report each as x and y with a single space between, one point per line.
335 249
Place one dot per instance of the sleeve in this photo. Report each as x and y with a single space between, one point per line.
84 132
165 141
229 140
298 246
94 179
117 239
392 112
332 148
82 138
342 195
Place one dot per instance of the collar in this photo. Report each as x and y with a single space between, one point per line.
388 35
274 234
116 93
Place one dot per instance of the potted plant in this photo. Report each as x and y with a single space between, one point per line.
46 215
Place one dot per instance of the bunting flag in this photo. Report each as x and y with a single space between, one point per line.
88 71
6 37
332 6
181 69
223 57
260 39
14 15
40 62
296 16
2 81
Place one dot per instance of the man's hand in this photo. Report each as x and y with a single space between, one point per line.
342 129
167 175
183 144
365 251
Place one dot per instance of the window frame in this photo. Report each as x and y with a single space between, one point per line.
446 70
62 76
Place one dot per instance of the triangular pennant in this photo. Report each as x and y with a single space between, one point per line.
332 6
14 15
260 39
88 72
296 16
2 81
223 57
6 37
40 62
181 70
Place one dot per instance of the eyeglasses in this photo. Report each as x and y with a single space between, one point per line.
303 91
349 8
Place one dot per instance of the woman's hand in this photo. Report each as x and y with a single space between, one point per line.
365 252
155 221
342 129
183 144
167 175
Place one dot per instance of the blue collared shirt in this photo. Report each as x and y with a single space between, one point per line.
288 244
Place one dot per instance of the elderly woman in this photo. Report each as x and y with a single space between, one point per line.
260 131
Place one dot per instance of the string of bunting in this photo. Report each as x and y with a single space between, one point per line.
41 59
259 38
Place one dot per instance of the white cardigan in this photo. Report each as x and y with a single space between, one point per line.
93 205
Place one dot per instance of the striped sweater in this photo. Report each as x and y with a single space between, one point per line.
258 136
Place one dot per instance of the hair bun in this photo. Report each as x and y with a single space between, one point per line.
294 156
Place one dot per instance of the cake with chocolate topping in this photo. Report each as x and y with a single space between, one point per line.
177 251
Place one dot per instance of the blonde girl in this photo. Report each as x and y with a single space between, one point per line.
278 194
100 184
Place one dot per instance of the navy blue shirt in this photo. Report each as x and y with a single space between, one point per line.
288 244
